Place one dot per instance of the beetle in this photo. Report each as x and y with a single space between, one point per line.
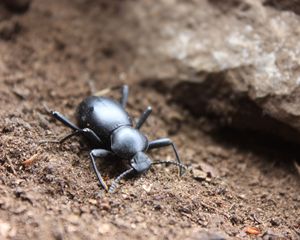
106 125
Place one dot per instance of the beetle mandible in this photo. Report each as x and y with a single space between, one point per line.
105 123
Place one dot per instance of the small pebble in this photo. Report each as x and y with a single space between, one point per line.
199 174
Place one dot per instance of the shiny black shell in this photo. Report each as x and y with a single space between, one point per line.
102 115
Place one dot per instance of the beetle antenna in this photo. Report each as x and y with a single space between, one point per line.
170 162
114 185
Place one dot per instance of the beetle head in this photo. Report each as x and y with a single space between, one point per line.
140 162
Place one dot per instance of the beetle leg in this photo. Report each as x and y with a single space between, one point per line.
144 117
164 142
86 132
124 98
63 139
99 153
64 120
91 135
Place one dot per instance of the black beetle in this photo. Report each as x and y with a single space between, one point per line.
106 125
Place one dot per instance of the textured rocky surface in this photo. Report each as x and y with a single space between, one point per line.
245 52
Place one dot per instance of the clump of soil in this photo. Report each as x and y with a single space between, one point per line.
246 183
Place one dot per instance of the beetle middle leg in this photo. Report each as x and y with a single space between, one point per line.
99 153
164 142
144 117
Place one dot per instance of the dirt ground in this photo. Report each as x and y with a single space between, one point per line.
55 54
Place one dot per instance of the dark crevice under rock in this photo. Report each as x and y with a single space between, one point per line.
227 6
284 5
215 99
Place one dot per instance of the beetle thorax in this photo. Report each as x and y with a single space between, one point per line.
127 141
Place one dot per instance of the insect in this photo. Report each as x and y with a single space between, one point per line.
105 124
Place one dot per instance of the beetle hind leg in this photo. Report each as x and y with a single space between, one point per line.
125 92
58 116
63 139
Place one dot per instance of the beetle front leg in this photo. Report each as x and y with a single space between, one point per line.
99 153
164 142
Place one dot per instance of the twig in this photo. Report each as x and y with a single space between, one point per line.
11 165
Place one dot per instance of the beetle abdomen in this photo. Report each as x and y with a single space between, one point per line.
102 115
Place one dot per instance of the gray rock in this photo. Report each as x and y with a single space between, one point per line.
199 175
244 56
